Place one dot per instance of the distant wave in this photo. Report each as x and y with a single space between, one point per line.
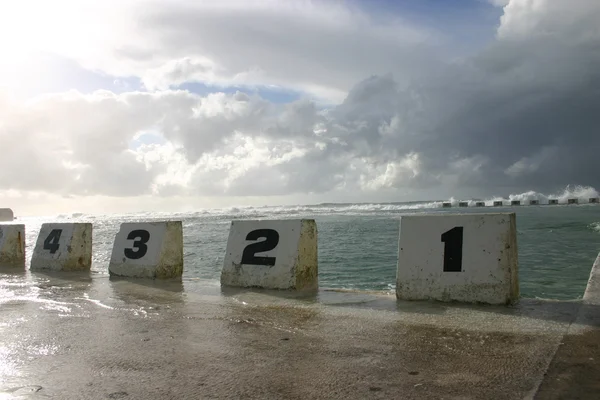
582 193
595 226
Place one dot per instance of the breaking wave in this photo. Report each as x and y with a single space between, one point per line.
581 193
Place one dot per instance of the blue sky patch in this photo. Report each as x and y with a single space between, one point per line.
147 137
274 95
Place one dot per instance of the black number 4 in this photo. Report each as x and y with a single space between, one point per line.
272 240
453 246
142 237
51 242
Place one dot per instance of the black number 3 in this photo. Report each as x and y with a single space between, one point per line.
272 240
51 242
142 237
453 244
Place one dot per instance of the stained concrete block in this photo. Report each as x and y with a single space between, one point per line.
12 246
458 257
272 254
148 250
63 247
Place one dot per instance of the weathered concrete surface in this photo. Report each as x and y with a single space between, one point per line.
469 258
156 255
72 251
74 336
12 246
288 255
575 369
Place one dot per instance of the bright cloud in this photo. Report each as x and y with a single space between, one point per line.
317 47
405 112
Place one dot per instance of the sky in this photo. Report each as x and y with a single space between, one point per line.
146 105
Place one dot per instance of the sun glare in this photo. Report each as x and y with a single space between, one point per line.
76 29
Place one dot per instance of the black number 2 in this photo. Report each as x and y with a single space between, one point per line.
142 237
51 242
272 240
453 246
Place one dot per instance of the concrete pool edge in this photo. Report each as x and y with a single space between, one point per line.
575 367
260 345
592 290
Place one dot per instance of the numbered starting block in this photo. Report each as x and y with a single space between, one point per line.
148 250
12 246
272 254
63 247
458 257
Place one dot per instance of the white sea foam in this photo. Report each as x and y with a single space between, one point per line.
581 193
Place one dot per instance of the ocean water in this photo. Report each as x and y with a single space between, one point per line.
358 243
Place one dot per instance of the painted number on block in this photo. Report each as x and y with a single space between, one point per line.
140 237
51 242
271 241
453 246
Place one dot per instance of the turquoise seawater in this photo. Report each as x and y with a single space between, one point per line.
358 244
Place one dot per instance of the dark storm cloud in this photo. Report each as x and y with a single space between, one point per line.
509 104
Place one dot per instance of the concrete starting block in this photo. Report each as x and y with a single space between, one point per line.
593 200
148 250
63 247
12 246
458 257
534 202
446 205
498 203
272 254
572 201
480 204
515 202
463 204
6 214
553 201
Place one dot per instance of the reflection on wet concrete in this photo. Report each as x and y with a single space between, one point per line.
127 289
88 336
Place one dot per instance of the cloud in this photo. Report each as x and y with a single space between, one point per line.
572 21
499 3
217 144
519 113
529 165
320 48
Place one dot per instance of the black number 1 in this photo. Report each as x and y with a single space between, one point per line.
51 242
453 244
142 237
272 240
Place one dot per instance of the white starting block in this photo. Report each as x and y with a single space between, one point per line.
458 257
272 254
12 246
63 247
148 250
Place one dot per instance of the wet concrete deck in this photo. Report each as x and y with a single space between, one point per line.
77 337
